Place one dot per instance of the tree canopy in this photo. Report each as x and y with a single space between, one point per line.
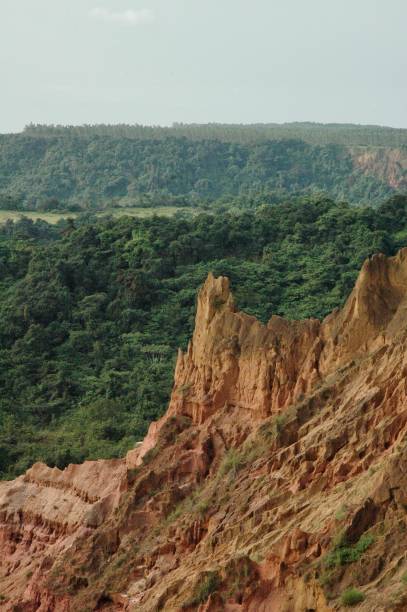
93 310
94 168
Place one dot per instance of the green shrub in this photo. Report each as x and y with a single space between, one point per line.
280 422
150 455
274 428
326 578
176 513
232 462
344 553
351 597
209 585
202 506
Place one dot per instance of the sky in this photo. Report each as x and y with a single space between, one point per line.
155 62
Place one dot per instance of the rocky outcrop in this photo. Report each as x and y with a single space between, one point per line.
234 360
42 514
389 165
275 481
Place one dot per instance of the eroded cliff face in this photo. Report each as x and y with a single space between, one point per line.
389 165
275 481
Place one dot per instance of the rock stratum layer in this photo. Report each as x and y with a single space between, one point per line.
276 480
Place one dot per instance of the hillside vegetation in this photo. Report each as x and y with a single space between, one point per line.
313 133
96 167
92 311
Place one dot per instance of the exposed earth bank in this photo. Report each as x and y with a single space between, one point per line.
277 479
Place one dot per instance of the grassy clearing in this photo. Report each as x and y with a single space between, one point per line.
50 217
15 215
166 211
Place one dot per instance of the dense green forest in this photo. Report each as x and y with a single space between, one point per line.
94 168
92 311
313 133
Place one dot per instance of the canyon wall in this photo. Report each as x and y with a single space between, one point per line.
275 481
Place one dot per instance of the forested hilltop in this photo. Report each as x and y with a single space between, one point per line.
313 133
92 311
94 167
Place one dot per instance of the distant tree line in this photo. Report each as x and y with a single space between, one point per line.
313 133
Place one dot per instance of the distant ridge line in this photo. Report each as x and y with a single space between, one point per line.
313 133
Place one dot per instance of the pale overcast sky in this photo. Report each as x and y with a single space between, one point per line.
159 61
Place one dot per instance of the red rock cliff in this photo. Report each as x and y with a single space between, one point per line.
275 481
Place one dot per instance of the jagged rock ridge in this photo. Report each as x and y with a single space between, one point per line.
275 480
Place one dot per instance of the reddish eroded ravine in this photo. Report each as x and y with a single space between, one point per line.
280 440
